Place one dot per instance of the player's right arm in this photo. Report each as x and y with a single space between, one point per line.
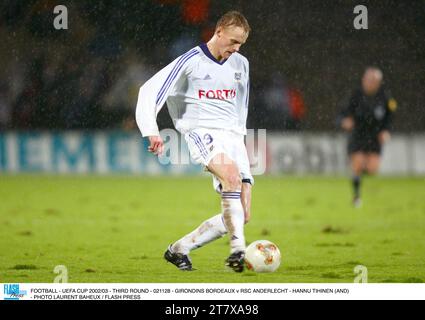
386 125
146 114
347 114
154 93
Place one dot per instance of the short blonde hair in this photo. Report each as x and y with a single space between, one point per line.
233 18
376 71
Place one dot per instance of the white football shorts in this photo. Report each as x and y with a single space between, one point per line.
205 144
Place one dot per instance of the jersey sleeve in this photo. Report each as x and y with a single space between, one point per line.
243 98
246 95
154 93
391 107
348 108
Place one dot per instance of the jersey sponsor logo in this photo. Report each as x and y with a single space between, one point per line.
217 94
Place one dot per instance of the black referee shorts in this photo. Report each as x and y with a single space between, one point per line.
365 145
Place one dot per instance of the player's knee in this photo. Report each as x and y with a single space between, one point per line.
372 171
232 182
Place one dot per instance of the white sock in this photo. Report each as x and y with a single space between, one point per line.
234 219
208 231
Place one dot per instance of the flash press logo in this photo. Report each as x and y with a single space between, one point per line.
13 292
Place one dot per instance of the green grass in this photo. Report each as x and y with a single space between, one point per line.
115 229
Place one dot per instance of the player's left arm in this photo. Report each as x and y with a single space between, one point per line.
387 122
246 184
246 199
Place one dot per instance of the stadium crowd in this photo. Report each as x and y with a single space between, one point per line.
87 77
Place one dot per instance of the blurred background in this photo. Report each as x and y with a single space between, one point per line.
67 97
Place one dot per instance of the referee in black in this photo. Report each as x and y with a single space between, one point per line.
367 118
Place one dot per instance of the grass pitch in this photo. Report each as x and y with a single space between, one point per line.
115 229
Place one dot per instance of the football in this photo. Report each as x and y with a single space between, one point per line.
262 256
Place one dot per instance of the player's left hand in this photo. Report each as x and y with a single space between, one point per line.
247 216
384 136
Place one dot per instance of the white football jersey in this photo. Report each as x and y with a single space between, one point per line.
200 92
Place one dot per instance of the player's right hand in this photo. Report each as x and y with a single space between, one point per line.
347 124
156 145
384 136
